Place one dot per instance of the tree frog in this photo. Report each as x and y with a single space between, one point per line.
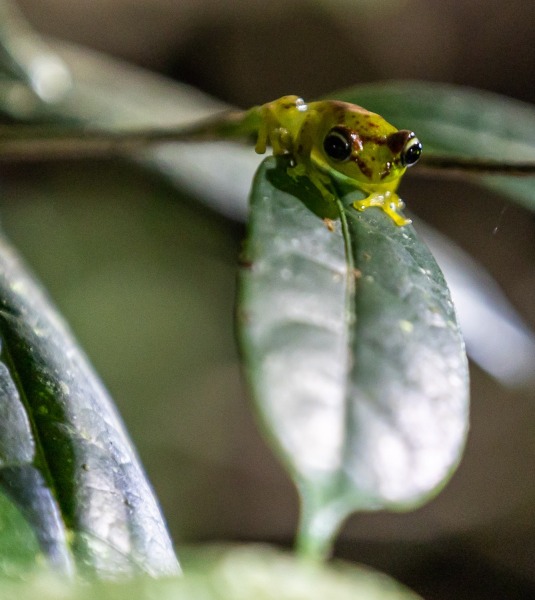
329 140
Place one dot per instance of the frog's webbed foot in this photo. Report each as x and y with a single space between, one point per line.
389 202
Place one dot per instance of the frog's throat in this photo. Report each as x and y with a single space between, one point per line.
369 187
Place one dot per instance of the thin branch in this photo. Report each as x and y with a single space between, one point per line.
454 164
21 143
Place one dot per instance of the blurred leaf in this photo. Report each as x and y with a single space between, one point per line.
65 460
259 572
497 338
31 74
353 353
459 121
240 573
107 93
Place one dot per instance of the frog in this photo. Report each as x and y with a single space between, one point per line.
334 141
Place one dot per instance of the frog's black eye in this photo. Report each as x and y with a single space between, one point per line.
338 144
411 152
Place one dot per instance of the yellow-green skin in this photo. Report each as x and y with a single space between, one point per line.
292 127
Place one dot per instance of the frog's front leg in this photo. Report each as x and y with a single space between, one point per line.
279 123
389 202
321 181
269 133
275 136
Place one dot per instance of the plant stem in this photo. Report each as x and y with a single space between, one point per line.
315 533
30 143
438 163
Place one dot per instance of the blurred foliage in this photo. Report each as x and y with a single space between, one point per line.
219 573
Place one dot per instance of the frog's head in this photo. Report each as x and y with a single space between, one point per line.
363 146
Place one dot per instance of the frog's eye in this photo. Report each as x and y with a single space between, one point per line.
338 144
411 152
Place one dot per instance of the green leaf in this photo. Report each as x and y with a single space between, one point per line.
262 573
66 464
245 573
459 121
353 354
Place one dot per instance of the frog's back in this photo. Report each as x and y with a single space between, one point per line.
368 125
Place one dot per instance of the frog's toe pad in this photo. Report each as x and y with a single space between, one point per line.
390 208
361 205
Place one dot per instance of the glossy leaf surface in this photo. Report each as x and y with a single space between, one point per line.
67 467
353 353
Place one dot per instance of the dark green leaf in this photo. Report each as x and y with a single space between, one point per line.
353 354
65 460
459 121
